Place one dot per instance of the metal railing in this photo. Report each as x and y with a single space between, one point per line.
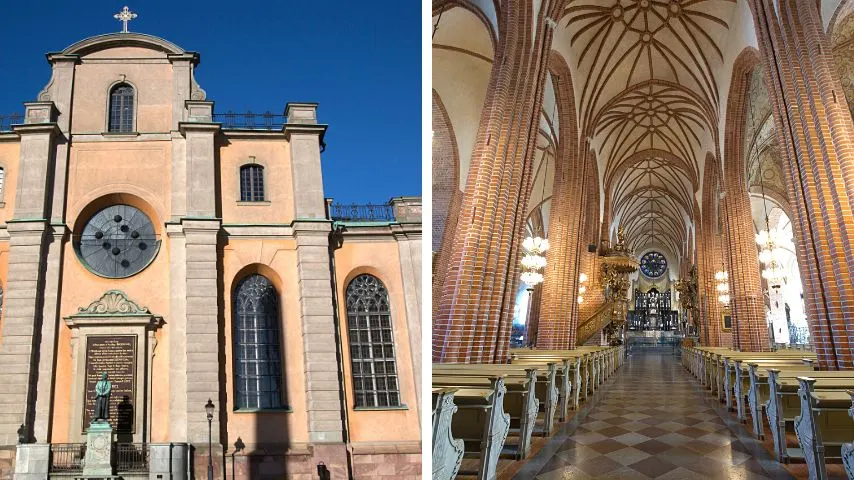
6 121
251 121
131 457
67 457
361 213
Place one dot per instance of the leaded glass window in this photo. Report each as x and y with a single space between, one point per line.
121 108
257 358
252 183
371 343
2 179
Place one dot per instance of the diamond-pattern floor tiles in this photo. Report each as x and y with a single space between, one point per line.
650 420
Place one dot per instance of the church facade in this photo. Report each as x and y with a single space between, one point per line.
194 259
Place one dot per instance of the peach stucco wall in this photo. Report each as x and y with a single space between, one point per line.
140 172
152 81
274 156
9 155
381 259
276 260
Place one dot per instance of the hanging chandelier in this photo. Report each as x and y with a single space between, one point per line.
722 277
534 260
536 247
769 239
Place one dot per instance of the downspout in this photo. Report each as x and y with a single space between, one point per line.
336 240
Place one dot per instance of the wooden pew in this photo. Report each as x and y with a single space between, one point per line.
482 423
577 362
546 387
565 372
823 425
784 405
759 392
519 401
742 378
732 376
447 450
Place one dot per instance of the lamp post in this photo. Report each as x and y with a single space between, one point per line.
209 409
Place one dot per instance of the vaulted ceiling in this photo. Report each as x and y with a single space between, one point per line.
648 76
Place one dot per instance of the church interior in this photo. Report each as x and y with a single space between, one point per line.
642 223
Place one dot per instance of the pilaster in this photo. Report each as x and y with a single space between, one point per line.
58 235
305 137
202 327
319 334
407 211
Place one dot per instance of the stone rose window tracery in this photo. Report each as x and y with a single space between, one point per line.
653 264
117 242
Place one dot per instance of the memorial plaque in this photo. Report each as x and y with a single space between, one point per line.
115 355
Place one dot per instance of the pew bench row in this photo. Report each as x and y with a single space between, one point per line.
783 387
478 407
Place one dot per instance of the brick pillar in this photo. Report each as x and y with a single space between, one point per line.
558 320
710 255
815 128
749 329
473 318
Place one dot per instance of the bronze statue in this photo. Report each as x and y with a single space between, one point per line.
102 399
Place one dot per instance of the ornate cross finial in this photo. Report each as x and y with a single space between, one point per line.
125 16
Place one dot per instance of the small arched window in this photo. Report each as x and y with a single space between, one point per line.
2 180
371 343
252 183
257 359
121 109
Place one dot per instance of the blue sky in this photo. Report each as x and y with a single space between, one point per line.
360 61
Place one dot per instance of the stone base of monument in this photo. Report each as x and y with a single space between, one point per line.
32 461
168 460
99 451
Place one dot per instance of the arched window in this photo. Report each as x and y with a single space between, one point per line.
252 183
121 108
257 360
371 343
2 180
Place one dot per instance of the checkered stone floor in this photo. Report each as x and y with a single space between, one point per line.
651 420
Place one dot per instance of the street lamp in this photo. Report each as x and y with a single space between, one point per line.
209 409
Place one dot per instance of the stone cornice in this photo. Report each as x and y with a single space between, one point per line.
198 127
51 128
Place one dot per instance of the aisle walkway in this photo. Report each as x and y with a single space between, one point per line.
651 421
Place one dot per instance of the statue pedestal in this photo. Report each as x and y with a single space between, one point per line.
99 450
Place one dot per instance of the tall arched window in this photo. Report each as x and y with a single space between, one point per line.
257 360
2 180
252 183
121 108
371 343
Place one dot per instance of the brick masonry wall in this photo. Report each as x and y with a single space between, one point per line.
559 309
446 171
710 255
815 128
473 313
749 330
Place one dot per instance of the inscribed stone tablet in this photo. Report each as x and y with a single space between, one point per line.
115 355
